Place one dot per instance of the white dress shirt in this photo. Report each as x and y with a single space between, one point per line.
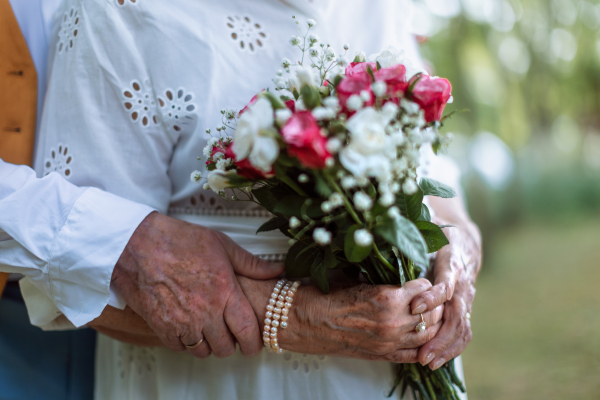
65 239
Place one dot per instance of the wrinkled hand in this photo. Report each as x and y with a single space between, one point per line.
363 321
180 278
454 287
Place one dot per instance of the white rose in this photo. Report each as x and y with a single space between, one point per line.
217 180
253 138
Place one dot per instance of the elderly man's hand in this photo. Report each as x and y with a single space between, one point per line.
454 273
180 278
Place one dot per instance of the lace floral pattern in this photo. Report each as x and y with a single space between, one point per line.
139 102
135 360
304 362
69 28
178 110
247 33
123 3
60 161
204 203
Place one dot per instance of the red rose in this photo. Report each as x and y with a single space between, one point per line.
360 68
305 142
353 85
432 95
291 104
245 168
395 78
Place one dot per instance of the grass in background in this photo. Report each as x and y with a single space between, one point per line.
536 317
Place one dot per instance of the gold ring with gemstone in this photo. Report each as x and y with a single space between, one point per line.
421 326
194 345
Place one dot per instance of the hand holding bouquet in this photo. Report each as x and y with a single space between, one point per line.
334 156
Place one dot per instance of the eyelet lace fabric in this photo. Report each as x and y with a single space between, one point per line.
249 34
178 110
140 103
59 160
69 29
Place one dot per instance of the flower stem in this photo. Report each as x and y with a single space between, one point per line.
382 258
347 203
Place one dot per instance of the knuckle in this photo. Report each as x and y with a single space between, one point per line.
403 357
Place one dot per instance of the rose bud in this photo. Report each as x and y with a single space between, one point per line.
432 94
305 142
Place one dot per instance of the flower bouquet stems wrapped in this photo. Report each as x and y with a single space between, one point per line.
333 153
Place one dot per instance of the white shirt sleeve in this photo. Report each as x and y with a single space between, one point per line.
65 239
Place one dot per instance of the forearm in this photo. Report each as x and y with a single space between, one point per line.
466 236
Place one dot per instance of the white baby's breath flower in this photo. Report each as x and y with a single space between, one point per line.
329 53
348 182
326 207
341 60
300 105
282 115
312 39
365 95
333 145
285 63
311 22
295 40
379 88
362 201
314 52
389 110
213 142
218 156
331 102
391 56
361 56
305 76
336 199
409 186
294 222
409 106
346 47
362 181
393 212
363 237
330 162
206 186
322 236
207 151
223 164
196 176
303 178
387 199
354 103
321 113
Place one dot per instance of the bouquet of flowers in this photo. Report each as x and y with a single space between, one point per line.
333 155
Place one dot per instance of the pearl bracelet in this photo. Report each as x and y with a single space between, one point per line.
277 312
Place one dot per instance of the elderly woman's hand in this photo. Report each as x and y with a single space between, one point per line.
364 321
454 274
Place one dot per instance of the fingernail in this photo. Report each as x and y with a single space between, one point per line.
438 363
419 309
428 358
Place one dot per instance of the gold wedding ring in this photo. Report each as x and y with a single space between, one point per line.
195 345
421 326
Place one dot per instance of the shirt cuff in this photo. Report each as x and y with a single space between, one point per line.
86 250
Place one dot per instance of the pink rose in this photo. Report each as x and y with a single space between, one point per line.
432 95
291 104
395 78
353 85
245 168
303 136
360 68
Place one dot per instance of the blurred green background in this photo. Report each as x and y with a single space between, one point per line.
529 71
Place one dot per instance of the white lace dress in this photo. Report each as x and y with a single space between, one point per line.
133 85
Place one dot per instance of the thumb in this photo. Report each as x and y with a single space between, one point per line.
246 264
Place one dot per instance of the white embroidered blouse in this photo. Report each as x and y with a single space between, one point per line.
133 84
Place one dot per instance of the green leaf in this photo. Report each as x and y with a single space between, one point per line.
330 261
410 205
448 116
436 146
336 80
319 273
299 267
275 101
291 205
272 224
284 98
425 214
355 253
431 187
237 181
370 72
310 96
283 177
321 186
433 235
211 167
403 234
265 197
296 94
